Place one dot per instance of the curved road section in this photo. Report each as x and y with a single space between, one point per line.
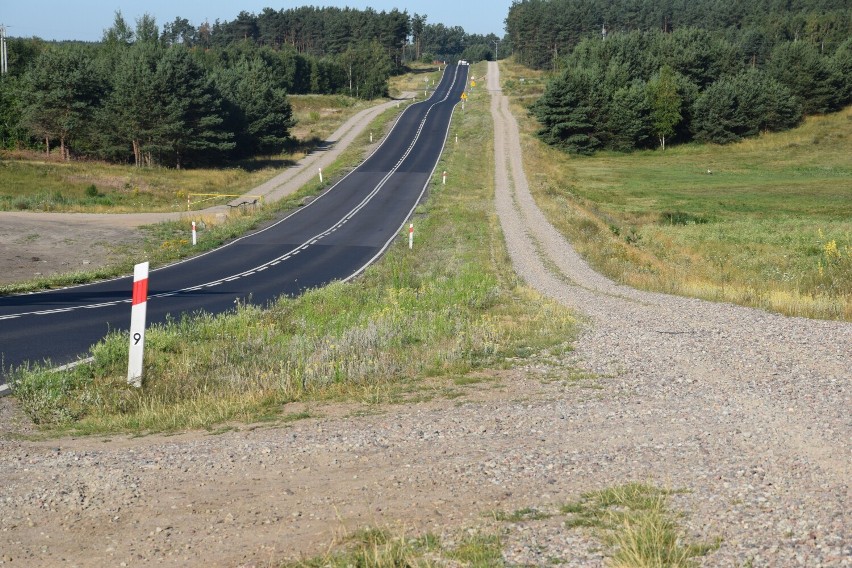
335 237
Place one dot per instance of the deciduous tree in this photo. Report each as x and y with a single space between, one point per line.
665 103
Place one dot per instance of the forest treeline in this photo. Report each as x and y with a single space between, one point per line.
323 32
184 96
632 74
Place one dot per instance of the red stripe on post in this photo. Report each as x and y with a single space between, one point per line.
140 291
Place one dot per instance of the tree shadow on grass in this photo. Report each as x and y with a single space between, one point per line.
293 146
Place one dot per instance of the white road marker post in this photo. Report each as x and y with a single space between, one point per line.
411 235
371 137
137 324
194 235
320 174
445 177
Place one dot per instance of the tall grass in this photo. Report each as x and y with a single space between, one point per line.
635 521
766 222
384 548
450 305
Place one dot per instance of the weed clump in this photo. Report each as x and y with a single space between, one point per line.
636 523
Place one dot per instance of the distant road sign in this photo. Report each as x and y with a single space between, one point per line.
464 96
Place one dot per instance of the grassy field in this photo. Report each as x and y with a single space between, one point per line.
449 306
766 222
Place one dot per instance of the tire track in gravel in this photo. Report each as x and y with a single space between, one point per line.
777 388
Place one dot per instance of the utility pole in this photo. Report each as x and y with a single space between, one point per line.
4 52
496 57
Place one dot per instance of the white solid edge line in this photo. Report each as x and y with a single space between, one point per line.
6 390
396 234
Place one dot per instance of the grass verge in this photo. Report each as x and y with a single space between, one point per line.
449 306
766 222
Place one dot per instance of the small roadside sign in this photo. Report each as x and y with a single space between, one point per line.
464 96
137 324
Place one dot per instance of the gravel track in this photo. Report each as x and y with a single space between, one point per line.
746 411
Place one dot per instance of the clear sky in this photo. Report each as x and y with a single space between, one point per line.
87 19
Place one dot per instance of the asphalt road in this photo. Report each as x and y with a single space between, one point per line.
335 237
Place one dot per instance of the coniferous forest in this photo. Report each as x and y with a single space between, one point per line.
630 74
626 74
183 96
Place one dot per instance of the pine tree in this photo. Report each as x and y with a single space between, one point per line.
751 102
129 117
261 116
567 114
842 65
188 112
810 76
63 91
12 130
718 114
628 118
417 24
